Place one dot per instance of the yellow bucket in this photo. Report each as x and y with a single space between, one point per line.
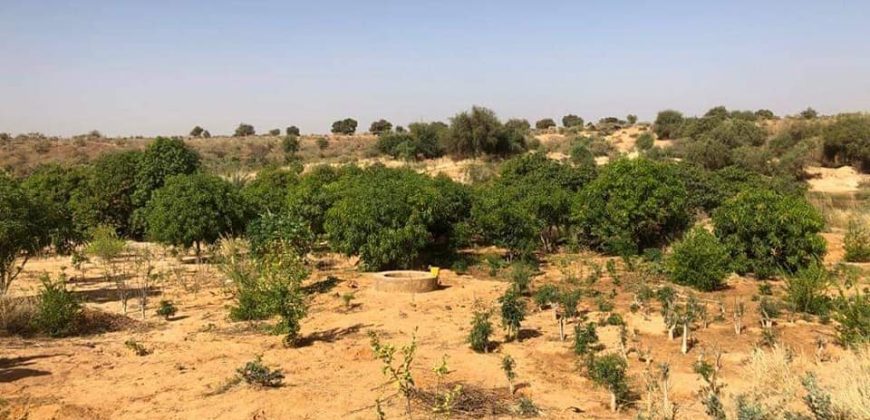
434 270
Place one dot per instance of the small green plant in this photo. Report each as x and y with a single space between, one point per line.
807 289
711 392
107 246
56 308
765 289
609 371
545 295
604 304
521 277
513 312
444 399
526 408
585 339
256 373
614 319
397 373
857 242
853 318
166 309
494 263
136 347
699 260
507 366
347 299
481 329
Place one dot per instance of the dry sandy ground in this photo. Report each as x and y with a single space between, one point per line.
333 375
844 179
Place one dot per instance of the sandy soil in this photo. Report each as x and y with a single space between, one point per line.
333 375
844 179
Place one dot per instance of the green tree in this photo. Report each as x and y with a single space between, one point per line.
572 120
51 187
244 130
22 231
290 145
857 241
645 141
268 191
346 126
847 141
765 114
195 209
105 197
518 124
274 232
380 126
513 312
699 260
162 158
478 132
632 205
667 123
766 231
609 372
292 131
631 119
197 131
545 123
809 114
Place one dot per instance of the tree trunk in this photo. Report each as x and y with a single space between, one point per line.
561 329
613 406
685 346
671 332
198 254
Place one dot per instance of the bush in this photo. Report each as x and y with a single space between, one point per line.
708 154
853 318
346 126
22 231
667 123
478 132
315 193
290 145
806 289
631 119
847 141
735 133
699 260
57 309
167 309
105 197
546 295
513 312
572 120
244 130
809 114
256 373
380 126
195 209
766 231
580 154
390 216
585 339
857 242
292 131
275 132
644 142
632 205
609 371
518 124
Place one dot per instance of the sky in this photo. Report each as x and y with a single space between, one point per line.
161 67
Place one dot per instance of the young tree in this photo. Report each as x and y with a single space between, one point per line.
244 130
609 371
481 329
195 209
107 246
22 232
507 365
513 312
631 119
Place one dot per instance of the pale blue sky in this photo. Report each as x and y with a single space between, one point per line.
161 67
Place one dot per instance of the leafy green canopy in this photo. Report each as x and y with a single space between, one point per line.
192 209
22 230
766 231
105 196
479 132
699 260
390 216
632 205
51 187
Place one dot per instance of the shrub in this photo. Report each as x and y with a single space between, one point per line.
847 141
22 231
244 130
380 126
56 308
521 277
267 193
195 209
631 119
519 125
807 289
853 318
735 133
196 131
206 134
478 132
809 114
166 309
645 141
699 260
766 231
580 154
708 154
572 120
50 187
346 126
481 329
609 371
857 242
667 123
292 131
322 143
513 312
105 196
290 144
765 114
257 373
315 193
632 205
390 216
585 338
545 123
546 295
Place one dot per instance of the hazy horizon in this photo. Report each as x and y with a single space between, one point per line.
163 67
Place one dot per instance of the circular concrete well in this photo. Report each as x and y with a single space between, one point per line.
405 281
